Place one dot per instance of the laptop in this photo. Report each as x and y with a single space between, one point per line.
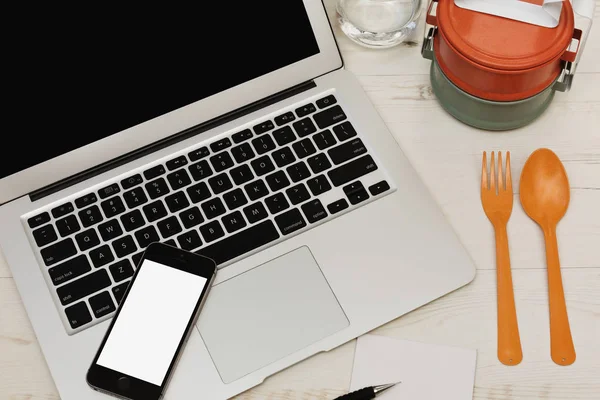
238 136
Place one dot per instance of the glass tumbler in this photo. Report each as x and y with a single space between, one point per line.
378 23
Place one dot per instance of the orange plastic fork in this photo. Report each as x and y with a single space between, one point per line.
497 201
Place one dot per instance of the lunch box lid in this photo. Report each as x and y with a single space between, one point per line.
502 43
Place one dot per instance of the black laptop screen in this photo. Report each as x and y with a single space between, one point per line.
79 80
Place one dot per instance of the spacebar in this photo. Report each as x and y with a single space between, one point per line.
240 243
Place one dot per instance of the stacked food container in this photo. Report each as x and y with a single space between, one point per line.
497 73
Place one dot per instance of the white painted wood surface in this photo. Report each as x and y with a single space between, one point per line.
447 155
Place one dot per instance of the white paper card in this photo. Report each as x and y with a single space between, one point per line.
546 15
427 371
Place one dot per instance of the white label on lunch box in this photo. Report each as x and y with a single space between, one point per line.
544 13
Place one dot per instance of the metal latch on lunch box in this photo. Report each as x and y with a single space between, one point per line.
427 47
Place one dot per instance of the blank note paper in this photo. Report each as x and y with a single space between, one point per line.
427 372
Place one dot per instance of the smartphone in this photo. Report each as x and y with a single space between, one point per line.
152 324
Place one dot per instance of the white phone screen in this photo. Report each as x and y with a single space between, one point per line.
152 322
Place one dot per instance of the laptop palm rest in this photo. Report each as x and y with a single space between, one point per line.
267 313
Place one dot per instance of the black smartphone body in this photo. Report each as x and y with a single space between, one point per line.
152 324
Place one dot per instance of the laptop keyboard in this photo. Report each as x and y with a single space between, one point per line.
223 200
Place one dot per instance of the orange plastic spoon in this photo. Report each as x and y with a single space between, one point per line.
544 192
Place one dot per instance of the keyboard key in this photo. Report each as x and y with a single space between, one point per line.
314 211
298 171
177 201
199 154
233 222
200 170
124 246
110 230
324 139
101 256
61 210
176 163
379 188
121 270
290 221
298 194
304 148
263 127
146 236
67 225
326 101
137 257
213 208
131 181
157 188
109 191
84 286
86 200
256 189
112 206
191 217
255 212
198 192
169 227
212 231
277 203
58 251
132 220
38 220
283 157
170 242
154 172
220 183
329 117
318 184
90 216
277 180
344 131
356 192
155 211
69 270
305 110
347 151
337 206
87 239
220 145
189 240
44 235
179 179
101 304
318 163
243 153
241 136
235 199
241 174
352 170
241 242
284 118
284 135
221 161
263 144
119 291
135 197
304 127
78 315
262 165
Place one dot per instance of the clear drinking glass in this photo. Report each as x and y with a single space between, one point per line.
378 23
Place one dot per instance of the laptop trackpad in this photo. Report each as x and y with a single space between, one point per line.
267 313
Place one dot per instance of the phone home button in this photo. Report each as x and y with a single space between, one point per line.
123 383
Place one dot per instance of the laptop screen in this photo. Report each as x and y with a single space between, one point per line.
93 78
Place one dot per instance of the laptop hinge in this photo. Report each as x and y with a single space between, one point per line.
168 141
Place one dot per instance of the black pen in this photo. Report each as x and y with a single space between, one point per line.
367 393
